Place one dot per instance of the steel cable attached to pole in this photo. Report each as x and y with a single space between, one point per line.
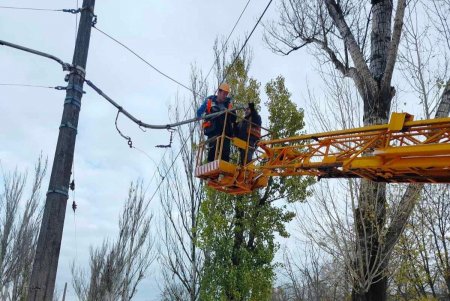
146 125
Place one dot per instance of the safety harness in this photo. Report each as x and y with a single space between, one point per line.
209 125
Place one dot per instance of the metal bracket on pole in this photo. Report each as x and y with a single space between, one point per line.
69 125
77 70
59 191
76 101
75 87
72 11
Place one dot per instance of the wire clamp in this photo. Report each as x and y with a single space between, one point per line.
66 66
78 70
68 125
73 100
94 20
128 138
74 70
72 11
74 206
76 87
171 138
59 191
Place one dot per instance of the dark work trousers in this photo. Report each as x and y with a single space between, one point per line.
225 150
250 152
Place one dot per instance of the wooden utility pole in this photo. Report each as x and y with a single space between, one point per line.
42 282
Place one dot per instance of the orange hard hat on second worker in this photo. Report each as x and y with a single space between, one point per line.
224 87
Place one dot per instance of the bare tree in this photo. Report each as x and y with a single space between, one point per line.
339 34
436 212
19 226
424 64
117 268
316 276
180 257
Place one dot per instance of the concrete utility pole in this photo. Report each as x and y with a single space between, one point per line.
42 283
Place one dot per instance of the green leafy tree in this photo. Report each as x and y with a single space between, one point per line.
238 233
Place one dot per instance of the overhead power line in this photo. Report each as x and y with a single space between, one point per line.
40 53
76 22
29 86
168 170
142 59
234 61
72 11
146 125
188 107
247 39
229 35
65 65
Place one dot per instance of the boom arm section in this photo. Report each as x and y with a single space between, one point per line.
403 151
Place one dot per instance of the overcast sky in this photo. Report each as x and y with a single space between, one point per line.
172 35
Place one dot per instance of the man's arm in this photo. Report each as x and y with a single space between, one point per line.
257 119
201 109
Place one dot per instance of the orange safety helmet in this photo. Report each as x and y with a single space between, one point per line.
224 87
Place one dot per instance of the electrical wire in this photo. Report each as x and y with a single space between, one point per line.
168 170
234 61
156 69
204 81
146 125
66 66
30 8
229 35
29 86
65 10
76 23
247 39
142 59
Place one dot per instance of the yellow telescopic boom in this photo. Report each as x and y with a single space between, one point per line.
403 151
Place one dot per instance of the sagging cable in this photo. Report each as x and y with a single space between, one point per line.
66 66
153 126
170 141
128 138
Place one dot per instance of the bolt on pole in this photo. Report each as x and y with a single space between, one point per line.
42 282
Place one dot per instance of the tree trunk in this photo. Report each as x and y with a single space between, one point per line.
370 215
237 245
